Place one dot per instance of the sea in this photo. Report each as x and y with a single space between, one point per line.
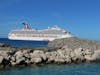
47 69
24 43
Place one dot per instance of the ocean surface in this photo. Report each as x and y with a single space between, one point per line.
24 44
69 69
51 69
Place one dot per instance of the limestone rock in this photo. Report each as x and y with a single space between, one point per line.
89 55
13 63
4 53
59 60
64 55
1 59
51 56
36 60
96 55
74 43
4 45
19 57
38 56
79 54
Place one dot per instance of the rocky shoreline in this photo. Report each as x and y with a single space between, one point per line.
60 55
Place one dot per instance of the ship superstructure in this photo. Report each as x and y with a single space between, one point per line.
49 34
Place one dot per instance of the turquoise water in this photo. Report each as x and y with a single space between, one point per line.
69 69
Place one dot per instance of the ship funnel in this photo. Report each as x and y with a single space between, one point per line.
26 26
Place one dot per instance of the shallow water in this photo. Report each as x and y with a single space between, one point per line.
69 69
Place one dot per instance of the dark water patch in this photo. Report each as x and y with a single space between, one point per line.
24 43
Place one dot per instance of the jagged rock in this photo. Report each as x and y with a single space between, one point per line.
1 59
68 59
79 54
5 62
4 45
20 60
13 63
64 54
38 56
19 57
74 43
89 52
13 59
26 54
19 52
27 61
96 55
11 53
51 56
59 60
88 55
36 60
64 51
73 55
42 55
4 53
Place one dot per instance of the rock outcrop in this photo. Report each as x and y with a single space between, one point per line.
71 50
74 43
4 45
63 55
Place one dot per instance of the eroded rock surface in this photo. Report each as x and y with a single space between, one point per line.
70 50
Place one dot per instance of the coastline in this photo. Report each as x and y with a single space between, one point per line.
62 54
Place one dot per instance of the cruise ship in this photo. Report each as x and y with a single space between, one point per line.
49 34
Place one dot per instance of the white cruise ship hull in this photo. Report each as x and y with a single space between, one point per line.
12 37
49 34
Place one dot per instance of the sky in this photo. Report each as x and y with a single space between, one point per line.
80 17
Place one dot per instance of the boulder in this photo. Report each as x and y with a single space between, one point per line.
79 54
26 54
36 60
73 55
89 55
59 60
51 56
89 52
37 56
4 45
1 59
13 59
4 53
20 59
19 53
96 55
13 63
64 54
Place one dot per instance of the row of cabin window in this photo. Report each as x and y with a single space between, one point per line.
28 35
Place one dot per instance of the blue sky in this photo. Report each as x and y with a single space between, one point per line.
81 17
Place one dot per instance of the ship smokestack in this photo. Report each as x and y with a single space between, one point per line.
26 26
